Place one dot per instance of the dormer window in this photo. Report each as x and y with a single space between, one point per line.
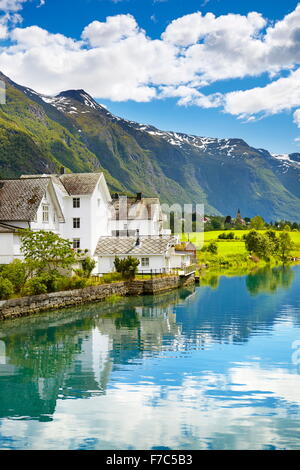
76 202
45 213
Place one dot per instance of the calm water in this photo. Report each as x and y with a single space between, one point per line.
210 368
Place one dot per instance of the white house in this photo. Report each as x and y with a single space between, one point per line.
139 213
28 204
156 254
85 200
79 207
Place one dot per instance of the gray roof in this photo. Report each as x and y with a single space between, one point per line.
136 209
127 246
80 183
20 199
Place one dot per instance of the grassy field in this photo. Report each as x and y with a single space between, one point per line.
232 247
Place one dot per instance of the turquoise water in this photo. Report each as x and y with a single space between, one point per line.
206 368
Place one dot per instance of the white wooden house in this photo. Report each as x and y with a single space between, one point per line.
79 207
28 204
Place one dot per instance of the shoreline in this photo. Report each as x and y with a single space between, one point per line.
25 306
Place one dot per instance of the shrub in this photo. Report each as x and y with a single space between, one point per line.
212 248
34 286
76 282
15 272
88 264
127 267
6 288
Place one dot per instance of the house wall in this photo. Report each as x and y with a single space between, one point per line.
156 262
146 227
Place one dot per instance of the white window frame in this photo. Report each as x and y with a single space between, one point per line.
76 241
76 202
145 262
76 222
46 214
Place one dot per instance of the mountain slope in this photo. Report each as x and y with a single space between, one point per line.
38 134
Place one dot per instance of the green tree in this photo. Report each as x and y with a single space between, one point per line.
6 288
16 273
261 245
285 245
88 264
257 223
127 267
46 251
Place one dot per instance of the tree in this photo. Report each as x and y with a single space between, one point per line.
127 267
262 245
46 250
88 264
285 245
257 223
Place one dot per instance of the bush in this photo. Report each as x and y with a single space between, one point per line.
15 272
212 248
35 286
88 264
6 288
127 267
69 283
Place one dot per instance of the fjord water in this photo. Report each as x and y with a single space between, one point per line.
208 368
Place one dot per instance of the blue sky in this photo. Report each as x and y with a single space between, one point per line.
203 67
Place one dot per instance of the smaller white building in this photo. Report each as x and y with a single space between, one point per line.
156 254
131 214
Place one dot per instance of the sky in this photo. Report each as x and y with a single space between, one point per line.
212 68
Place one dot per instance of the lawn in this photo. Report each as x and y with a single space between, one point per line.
233 247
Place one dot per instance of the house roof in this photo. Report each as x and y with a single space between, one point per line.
80 183
137 209
115 246
20 199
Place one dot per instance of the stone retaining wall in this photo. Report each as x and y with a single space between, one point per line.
14 308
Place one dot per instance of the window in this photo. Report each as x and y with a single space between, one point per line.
76 243
45 213
76 223
145 262
125 226
76 202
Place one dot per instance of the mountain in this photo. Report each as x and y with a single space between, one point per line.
39 134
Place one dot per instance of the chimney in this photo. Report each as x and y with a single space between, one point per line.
138 196
137 243
62 170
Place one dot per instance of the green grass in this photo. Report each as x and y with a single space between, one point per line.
231 247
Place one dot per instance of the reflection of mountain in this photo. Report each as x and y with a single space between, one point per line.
71 354
76 353
229 314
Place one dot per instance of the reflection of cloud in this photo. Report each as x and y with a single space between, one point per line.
193 416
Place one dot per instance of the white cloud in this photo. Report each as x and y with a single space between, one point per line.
114 29
115 59
297 118
11 5
282 94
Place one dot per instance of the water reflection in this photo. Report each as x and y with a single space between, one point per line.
196 368
268 280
